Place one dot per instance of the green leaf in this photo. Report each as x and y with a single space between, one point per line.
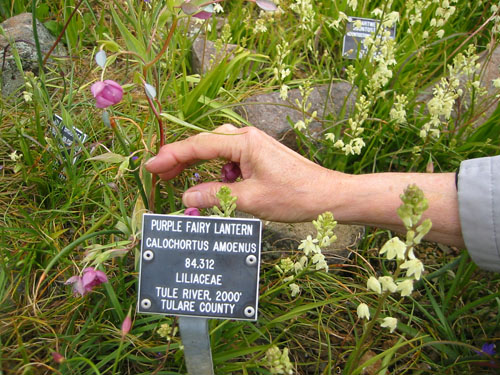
109 157
132 42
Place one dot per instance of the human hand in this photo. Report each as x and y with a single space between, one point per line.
277 183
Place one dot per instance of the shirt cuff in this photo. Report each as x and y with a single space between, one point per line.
479 208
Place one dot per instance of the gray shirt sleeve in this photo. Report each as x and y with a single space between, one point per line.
479 208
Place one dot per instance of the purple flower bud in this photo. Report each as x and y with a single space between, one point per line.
126 325
58 358
107 93
230 172
192 211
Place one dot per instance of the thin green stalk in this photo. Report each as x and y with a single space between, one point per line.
135 171
117 358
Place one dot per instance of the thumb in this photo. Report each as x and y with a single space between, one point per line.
204 195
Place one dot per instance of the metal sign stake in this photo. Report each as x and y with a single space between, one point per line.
196 342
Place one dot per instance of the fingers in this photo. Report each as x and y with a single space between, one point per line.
226 141
205 195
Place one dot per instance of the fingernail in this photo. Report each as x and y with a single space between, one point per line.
150 160
193 199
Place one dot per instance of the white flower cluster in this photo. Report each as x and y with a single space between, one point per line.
381 52
443 12
305 105
495 11
312 251
260 26
410 212
166 331
353 4
398 111
281 70
342 18
304 9
449 89
278 362
356 143
414 11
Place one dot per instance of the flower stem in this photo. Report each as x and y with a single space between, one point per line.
135 172
117 358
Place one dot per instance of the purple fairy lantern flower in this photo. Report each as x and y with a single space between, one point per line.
230 172
192 211
106 93
77 285
203 15
90 279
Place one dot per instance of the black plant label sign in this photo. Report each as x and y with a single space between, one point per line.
357 30
67 135
199 266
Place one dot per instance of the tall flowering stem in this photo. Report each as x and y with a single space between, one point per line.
408 269
135 172
145 69
152 105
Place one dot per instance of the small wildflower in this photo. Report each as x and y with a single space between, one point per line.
488 349
126 325
300 125
330 137
278 361
394 248
107 93
405 287
387 283
58 358
294 288
90 279
309 245
284 92
192 211
230 172
14 156
166 331
374 285
363 311
414 267
286 264
390 323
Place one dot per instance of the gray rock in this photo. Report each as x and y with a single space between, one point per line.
484 107
192 28
270 113
19 30
490 66
286 237
204 55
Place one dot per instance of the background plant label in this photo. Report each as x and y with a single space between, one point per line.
67 136
199 266
357 30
